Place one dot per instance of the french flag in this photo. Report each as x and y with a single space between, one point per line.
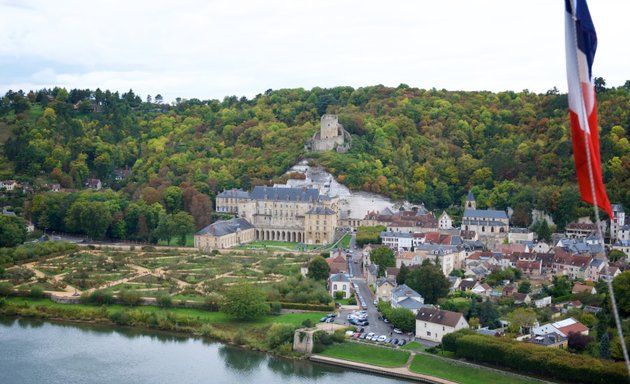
581 44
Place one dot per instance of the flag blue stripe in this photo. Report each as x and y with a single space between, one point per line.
585 30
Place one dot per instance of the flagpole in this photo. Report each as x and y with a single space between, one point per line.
589 162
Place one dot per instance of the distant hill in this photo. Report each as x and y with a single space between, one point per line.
431 146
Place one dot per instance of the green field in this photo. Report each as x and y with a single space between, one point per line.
413 346
445 369
367 354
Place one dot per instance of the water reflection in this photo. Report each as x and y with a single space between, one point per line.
240 360
92 353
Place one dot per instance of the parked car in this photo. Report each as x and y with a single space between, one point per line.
357 335
381 338
330 319
369 335
323 319
360 329
375 302
398 331
333 315
394 341
401 342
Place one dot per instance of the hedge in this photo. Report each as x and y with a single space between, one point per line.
307 307
549 362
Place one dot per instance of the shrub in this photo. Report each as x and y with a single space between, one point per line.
549 362
308 323
339 295
129 297
120 318
37 291
308 307
165 300
449 341
99 297
352 300
6 289
279 334
275 308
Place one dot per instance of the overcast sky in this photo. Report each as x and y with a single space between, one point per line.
210 49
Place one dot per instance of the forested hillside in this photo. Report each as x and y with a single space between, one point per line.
512 148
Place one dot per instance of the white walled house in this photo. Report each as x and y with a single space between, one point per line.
432 323
339 282
445 221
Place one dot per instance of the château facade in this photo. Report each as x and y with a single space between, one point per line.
284 214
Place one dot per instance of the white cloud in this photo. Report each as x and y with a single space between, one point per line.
209 49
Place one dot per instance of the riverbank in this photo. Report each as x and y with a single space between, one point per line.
269 334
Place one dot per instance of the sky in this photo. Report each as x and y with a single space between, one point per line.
212 49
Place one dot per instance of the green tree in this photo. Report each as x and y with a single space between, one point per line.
521 318
245 302
621 286
561 286
165 229
184 225
95 220
401 278
318 268
616 255
384 258
542 230
402 318
173 199
525 287
12 231
604 346
429 281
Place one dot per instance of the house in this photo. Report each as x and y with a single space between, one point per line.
397 241
94 184
433 323
445 221
612 273
623 246
618 221
550 340
55 187
9 185
225 234
543 302
486 222
405 297
579 230
562 327
522 298
384 287
337 264
339 282
520 235
392 273
371 274
454 282
583 288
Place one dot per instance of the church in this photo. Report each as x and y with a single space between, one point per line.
485 222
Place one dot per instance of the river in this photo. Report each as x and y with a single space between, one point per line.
34 352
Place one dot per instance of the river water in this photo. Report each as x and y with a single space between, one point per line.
34 352
355 204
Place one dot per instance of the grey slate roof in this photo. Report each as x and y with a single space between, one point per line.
410 303
470 196
320 211
404 291
234 193
225 227
285 194
617 208
438 316
485 213
339 278
405 235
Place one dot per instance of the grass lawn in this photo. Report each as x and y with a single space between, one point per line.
277 245
190 241
344 243
344 301
413 346
382 357
199 314
460 373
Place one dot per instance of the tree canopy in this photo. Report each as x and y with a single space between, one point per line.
429 281
245 302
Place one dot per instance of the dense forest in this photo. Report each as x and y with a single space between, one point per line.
431 146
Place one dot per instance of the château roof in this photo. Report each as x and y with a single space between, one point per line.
320 211
225 227
285 194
